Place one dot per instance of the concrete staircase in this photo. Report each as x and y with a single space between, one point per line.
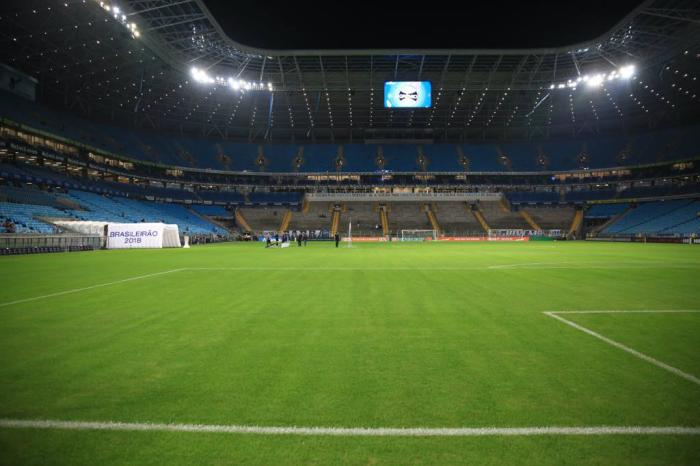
241 221
284 226
432 218
384 220
335 221
479 218
528 218
576 222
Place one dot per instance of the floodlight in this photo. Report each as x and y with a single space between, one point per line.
595 80
626 72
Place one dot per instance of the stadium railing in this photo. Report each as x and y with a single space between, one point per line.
28 244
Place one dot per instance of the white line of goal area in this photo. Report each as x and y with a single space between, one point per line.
350 431
667 367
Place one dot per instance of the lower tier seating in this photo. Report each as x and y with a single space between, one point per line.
675 217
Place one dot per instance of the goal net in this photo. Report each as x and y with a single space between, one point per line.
418 235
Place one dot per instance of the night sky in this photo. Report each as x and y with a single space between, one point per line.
465 24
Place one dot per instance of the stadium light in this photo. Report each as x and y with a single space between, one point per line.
202 77
596 80
116 12
626 72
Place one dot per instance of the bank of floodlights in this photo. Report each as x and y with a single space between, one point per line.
118 15
202 77
593 81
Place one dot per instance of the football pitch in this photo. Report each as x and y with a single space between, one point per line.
403 353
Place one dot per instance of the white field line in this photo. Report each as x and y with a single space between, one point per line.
91 287
626 311
350 431
629 350
532 265
333 269
526 265
591 265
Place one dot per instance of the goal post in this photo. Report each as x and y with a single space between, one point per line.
419 235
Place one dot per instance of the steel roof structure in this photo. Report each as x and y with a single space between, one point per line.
131 65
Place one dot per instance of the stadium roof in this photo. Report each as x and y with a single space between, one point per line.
134 65
435 24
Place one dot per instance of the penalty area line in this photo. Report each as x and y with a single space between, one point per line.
350 431
91 287
611 342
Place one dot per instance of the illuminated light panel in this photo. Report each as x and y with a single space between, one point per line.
596 80
118 15
202 77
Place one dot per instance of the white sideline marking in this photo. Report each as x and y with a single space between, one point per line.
526 265
77 290
631 351
641 311
532 265
589 265
333 269
350 431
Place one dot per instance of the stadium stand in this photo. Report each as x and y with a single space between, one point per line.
658 218
556 217
365 219
24 216
263 218
35 217
317 217
456 219
212 211
533 197
499 218
602 211
274 198
601 152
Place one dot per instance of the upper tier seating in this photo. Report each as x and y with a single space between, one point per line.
590 153
533 197
274 198
28 195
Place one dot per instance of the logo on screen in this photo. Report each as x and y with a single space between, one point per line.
407 94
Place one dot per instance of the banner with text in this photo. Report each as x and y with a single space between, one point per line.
134 235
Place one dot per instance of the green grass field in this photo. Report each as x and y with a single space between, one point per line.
377 336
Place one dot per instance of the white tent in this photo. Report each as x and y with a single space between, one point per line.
128 235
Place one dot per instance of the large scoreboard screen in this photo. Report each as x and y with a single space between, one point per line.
407 94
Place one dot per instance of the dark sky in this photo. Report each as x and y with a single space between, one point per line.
430 24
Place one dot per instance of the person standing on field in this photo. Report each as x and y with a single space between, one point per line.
337 239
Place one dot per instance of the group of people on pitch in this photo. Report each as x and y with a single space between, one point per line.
300 237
